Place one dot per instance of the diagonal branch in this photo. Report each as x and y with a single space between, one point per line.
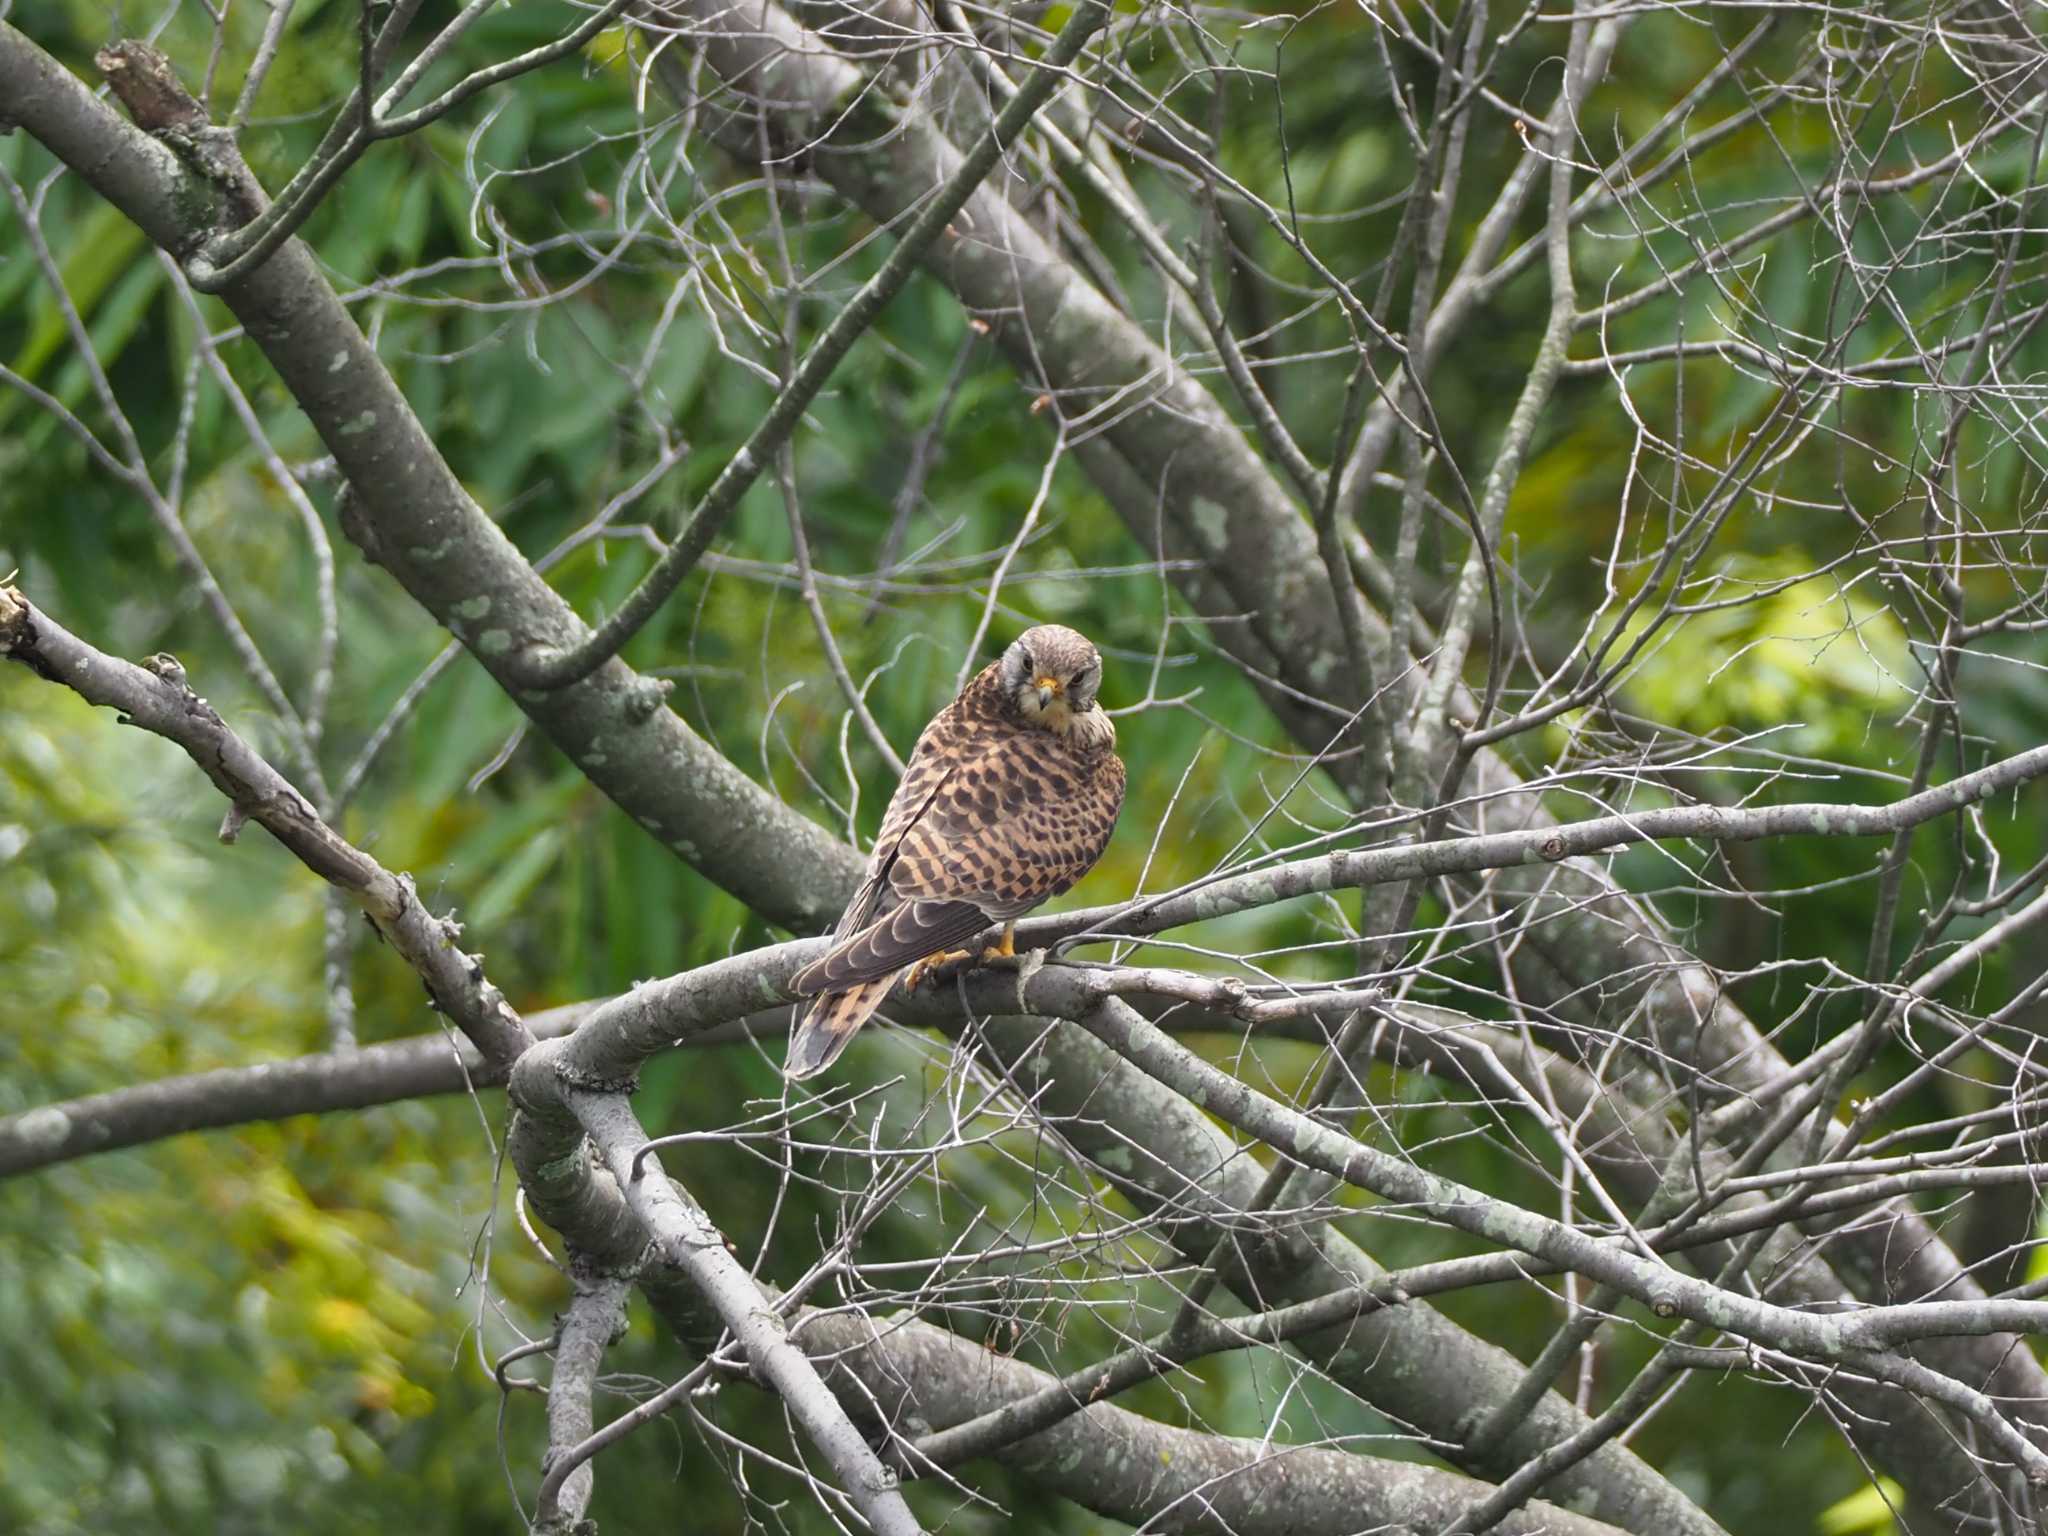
158 699
1861 1338
684 1237
410 513
558 669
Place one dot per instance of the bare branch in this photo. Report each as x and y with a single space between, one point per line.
159 700
597 1312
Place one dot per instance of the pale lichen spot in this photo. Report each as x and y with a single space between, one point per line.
494 642
340 360
472 608
1212 522
360 425
45 1129
567 1166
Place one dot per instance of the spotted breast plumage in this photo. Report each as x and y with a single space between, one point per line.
1008 799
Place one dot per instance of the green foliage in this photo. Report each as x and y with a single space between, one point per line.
1775 649
1867 1512
283 1327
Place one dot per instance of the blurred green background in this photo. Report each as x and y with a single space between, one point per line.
288 1327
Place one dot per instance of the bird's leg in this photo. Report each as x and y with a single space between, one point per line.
1004 953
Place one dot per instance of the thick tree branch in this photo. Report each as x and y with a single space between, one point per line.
389 1073
906 1377
545 1088
557 669
411 514
1163 1478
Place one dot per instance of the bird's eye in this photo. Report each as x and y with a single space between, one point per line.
1025 657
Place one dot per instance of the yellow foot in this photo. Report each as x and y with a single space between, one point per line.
926 968
1004 953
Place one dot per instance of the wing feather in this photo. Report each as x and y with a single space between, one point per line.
923 777
901 936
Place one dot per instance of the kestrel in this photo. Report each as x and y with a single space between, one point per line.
1008 799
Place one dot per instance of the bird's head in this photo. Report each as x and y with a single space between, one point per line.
1050 675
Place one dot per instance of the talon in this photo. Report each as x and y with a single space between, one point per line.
930 965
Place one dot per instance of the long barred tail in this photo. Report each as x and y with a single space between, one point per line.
829 1021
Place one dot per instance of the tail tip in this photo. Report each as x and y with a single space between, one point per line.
813 1048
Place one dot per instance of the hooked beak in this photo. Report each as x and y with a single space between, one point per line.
1049 688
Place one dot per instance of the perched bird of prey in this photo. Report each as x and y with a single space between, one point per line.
1008 799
